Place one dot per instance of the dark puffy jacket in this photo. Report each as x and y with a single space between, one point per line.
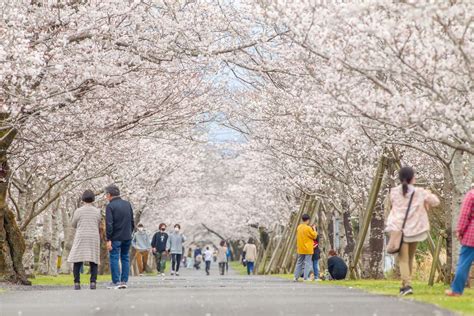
119 220
337 268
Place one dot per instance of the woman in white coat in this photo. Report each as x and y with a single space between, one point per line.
86 245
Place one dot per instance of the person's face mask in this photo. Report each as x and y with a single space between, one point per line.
176 229
140 229
163 229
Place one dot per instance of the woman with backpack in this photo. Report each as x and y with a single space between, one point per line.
409 216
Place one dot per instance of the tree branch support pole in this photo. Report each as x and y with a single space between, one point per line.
432 247
435 262
374 191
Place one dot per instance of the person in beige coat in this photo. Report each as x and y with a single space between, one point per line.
222 256
417 225
86 245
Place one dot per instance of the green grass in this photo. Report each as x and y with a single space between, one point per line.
238 267
423 292
68 279
65 279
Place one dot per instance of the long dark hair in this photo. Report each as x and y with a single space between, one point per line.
406 175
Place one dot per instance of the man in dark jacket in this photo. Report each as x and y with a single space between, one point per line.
119 228
158 246
336 266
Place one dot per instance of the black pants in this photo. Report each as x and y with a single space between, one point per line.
208 267
77 271
175 261
222 267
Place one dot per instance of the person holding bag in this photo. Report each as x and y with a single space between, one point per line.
408 223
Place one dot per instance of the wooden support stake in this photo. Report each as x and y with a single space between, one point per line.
432 247
436 258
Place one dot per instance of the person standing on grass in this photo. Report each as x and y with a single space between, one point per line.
207 259
465 234
250 255
409 205
174 246
141 243
86 244
158 247
119 228
315 258
222 256
305 236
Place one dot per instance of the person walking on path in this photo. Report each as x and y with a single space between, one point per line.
305 236
465 234
316 257
119 228
337 268
189 260
197 252
229 256
208 259
86 244
158 247
250 255
222 256
141 243
409 215
174 246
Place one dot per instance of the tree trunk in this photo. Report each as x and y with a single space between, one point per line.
350 242
12 244
45 245
68 239
30 241
376 243
53 259
104 266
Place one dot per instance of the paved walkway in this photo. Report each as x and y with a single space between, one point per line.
194 293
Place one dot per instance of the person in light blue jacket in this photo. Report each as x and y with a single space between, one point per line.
174 245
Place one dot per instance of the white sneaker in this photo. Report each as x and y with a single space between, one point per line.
172 273
122 286
163 274
177 273
113 286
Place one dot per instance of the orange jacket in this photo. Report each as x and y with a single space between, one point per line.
305 236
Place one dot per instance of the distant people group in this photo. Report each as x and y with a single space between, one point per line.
122 236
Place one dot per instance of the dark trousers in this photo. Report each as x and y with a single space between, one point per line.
222 267
175 261
208 267
77 271
160 261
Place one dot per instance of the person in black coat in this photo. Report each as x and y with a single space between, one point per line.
336 266
119 229
158 246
